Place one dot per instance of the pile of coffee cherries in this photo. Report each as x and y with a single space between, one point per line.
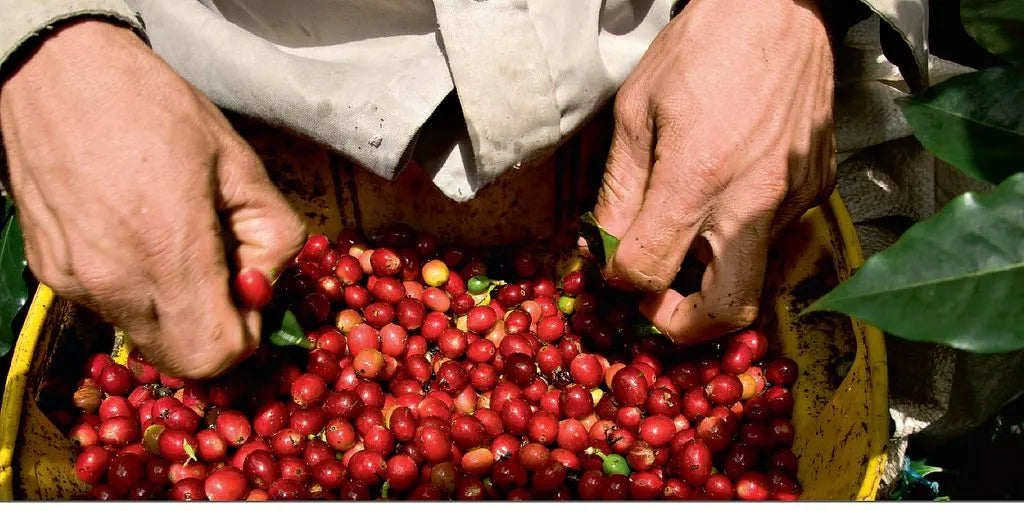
430 374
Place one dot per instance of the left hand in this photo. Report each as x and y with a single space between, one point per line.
722 132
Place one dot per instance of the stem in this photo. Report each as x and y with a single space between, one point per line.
591 450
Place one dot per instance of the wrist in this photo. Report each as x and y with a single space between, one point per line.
785 20
82 42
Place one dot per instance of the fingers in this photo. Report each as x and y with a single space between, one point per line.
653 247
730 290
818 167
813 160
629 165
194 329
802 195
200 330
266 228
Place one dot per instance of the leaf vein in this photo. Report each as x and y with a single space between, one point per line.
1011 131
1003 269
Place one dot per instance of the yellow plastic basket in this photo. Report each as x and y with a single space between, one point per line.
841 408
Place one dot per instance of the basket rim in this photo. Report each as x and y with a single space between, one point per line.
14 390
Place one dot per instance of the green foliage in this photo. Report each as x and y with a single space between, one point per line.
973 121
289 332
955 279
600 242
998 25
13 289
920 468
914 482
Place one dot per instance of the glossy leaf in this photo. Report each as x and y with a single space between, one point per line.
973 121
189 450
921 469
484 296
998 25
908 22
955 279
645 328
289 333
13 290
600 242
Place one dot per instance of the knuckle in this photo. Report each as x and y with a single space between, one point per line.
96 280
49 266
629 109
159 251
641 270
285 238
806 197
624 102
653 283
764 198
220 355
246 157
156 248
50 272
615 188
777 184
294 234
803 196
740 315
229 339
707 174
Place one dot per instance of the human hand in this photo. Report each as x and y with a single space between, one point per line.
723 135
125 178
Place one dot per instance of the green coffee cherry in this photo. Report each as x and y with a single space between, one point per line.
566 304
615 464
478 284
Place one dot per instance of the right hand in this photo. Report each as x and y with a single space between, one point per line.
125 176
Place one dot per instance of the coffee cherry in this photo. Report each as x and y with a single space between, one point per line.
253 288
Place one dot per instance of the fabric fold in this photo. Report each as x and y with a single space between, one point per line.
365 95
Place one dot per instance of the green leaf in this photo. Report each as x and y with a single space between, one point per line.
483 297
955 279
973 121
921 469
189 450
600 242
998 25
290 333
13 290
644 329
